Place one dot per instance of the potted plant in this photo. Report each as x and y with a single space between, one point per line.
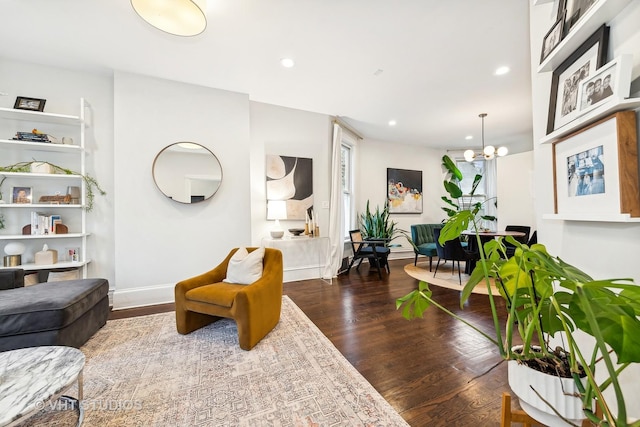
91 183
546 297
377 225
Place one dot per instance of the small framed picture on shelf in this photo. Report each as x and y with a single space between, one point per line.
552 39
21 195
72 254
610 83
33 104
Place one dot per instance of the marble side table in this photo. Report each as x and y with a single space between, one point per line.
32 377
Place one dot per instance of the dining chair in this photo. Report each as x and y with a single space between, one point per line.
522 239
452 251
373 250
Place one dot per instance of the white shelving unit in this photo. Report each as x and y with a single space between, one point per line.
68 156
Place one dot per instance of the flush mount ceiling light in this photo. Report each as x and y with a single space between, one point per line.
177 17
489 152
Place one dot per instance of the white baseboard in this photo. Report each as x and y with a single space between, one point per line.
141 297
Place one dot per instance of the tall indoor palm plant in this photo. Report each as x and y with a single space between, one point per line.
547 297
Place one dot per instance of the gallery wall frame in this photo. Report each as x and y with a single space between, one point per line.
603 156
404 191
552 39
611 83
582 63
571 11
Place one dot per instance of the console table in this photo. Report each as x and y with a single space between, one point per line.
32 377
303 257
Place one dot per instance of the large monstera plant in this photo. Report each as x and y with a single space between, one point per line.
545 297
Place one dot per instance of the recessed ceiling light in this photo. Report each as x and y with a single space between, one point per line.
500 71
287 62
468 137
392 123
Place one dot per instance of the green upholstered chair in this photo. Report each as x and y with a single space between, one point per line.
203 299
425 244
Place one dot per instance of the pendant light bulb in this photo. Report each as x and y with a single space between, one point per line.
469 155
489 150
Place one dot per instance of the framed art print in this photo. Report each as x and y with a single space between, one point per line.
404 190
580 65
290 179
596 169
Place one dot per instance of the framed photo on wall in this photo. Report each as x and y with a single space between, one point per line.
580 65
572 11
596 169
404 190
610 83
552 39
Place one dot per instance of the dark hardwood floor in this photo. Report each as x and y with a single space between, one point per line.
434 371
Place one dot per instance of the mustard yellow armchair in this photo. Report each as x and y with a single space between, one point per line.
203 299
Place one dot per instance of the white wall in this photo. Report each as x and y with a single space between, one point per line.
602 249
288 132
373 159
158 241
515 190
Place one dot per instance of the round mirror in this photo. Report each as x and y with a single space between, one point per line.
187 172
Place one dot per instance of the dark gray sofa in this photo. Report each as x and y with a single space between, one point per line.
55 313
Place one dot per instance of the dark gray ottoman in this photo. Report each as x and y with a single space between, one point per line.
55 313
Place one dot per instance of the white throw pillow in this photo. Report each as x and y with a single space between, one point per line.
245 268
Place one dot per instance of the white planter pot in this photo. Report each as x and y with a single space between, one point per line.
41 167
559 392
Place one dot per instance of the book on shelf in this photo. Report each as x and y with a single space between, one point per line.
42 224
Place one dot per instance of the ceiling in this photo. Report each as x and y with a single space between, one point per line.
428 64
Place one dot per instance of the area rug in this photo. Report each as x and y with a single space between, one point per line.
141 372
445 277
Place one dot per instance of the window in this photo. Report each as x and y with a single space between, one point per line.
346 166
469 171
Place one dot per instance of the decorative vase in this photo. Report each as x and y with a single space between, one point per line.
559 392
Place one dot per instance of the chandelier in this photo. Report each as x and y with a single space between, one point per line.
489 152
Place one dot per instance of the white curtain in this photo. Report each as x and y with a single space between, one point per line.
335 203
491 181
